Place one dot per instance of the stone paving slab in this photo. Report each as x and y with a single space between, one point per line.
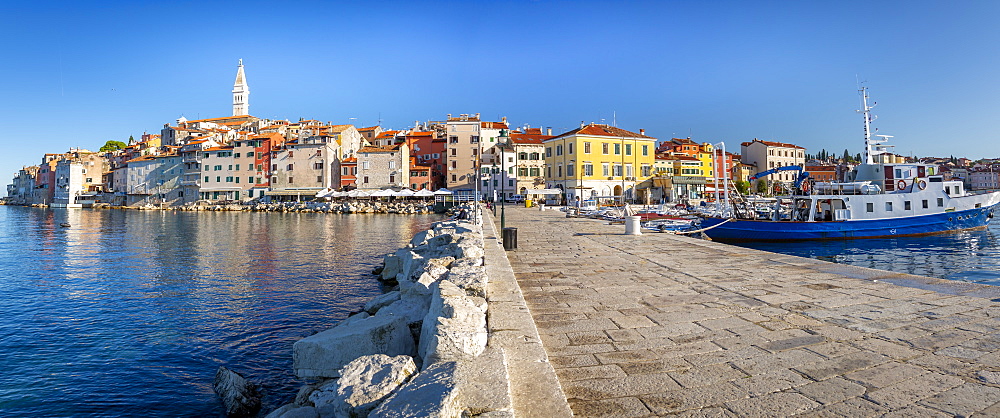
661 324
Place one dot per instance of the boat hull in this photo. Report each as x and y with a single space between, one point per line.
761 230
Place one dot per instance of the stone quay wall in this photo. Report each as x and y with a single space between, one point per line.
453 338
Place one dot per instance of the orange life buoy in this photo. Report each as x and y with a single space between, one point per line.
901 184
921 184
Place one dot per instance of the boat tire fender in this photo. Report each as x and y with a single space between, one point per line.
901 184
921 184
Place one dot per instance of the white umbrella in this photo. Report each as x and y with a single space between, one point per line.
442 191
324 193
404 193
382 193
357 193
423 193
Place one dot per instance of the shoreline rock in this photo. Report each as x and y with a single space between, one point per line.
439 324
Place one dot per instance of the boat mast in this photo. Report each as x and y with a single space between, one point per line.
866 112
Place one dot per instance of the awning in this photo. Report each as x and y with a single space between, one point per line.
442 192
542 192
291 192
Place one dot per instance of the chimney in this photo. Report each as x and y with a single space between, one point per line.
503 119
449 116
549 132
477 116
642 131
582 124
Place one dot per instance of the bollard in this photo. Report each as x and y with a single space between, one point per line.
541 206
509 236
632 225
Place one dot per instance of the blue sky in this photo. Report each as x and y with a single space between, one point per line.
77 74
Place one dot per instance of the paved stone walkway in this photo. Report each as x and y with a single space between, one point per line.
661 324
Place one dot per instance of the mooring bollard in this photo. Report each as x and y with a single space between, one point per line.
632 225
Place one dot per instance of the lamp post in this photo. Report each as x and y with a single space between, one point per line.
503 187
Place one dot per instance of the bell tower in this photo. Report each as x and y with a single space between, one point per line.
241 93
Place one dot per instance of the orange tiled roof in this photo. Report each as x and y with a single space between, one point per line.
384 148
603 130
493 125
349 160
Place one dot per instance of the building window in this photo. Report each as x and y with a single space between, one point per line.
628 149
206 179
606 169
588 169
586 147
645 150
522 172
646 169
319 179
906 205
454 177
250 180
318 165
365 165
218 179
888 206
392 178
291 180
869 207
366 180
454 152
618 170
924 204
274 180
569 148
290 167
535 171
604 148
618 149
237 180
570 170
940 202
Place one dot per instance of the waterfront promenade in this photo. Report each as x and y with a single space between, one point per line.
663 324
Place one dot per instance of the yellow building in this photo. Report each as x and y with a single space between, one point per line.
599 161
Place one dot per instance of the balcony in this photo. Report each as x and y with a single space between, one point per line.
190 183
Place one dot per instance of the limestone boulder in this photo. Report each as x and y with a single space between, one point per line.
241 397
454 327
430 394
324 354
294 411
381 301
364 383
477 387
421 237
391 266
472 279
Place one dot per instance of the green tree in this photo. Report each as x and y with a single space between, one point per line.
113 146
847 155
762 187
742 186
857 158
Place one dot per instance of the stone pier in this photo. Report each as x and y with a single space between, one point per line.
663 324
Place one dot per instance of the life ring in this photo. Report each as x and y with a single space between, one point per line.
805 187
901 184
921 184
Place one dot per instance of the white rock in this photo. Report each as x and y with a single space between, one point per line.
422 237
323 354
467 262
431 394
364 383
472 279
454 328
241 398
293 411
391 267
381 301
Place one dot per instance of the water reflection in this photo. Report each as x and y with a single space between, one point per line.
972 256
131 312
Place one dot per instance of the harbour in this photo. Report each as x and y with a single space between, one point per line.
131 312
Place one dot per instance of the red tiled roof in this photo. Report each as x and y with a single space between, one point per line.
772 144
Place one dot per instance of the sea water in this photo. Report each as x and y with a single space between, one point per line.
130 313
968 256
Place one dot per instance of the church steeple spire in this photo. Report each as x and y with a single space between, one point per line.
241 93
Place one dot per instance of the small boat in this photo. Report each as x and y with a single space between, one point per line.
878 200
65 225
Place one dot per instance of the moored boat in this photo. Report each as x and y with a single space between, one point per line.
878 200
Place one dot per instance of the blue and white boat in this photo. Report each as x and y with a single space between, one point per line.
879 200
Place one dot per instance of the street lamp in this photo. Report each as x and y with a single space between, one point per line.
503 187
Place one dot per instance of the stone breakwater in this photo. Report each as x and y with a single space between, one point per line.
419 350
